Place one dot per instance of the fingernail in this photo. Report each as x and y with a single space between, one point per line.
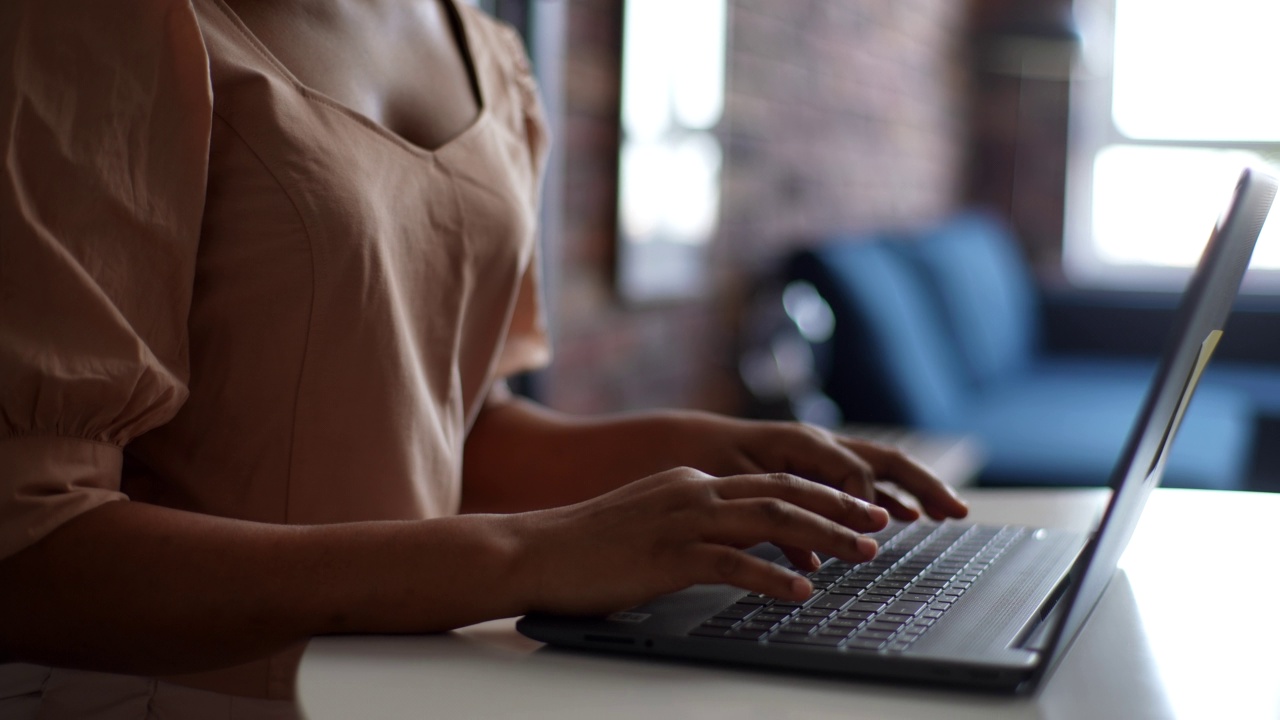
800 587
867 546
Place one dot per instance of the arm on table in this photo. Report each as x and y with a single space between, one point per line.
131 587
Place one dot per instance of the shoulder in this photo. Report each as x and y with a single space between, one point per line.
502 57
89 42
495 39
93 85
99 23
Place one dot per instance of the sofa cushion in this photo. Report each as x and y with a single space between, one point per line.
1060 426
985 293
1260 382
892 334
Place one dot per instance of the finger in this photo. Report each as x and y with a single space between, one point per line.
828 502
890 463
766 519
898 507
710 563
803 560
813 453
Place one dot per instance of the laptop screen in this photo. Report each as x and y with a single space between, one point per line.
1203 312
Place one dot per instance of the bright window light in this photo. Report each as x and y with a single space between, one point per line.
1158 205
1196 70
1172 99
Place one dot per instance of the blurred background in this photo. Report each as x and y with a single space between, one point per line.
702 145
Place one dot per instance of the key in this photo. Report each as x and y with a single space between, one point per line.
833 602
865 644
740 611
905 607
852 614
789 639
824 640
893 618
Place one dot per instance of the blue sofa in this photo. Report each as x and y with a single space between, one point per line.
946 330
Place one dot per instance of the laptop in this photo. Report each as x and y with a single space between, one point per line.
985 607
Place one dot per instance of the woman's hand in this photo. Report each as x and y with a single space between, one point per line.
878 473
684 527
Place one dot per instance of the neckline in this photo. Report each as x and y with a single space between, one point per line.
462 38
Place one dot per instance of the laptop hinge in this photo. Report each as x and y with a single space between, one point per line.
1050 614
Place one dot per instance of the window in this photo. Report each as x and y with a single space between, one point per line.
1170 100
669 165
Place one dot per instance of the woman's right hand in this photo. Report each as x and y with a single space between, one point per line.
683 527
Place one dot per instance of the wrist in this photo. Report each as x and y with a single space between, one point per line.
524 543
509 547
420 576
691 439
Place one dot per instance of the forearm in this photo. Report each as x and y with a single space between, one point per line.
131 587
521 456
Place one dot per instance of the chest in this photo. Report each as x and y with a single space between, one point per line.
404 65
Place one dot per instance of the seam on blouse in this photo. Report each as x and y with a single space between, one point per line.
464 234
58 436
152 688
311 311
249 37
44 683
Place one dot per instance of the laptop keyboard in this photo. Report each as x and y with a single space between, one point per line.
888 603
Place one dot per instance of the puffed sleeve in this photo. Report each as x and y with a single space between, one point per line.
105 109
527 345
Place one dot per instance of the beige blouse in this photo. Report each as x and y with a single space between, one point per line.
224 292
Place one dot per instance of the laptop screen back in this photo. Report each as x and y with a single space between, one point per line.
1199 323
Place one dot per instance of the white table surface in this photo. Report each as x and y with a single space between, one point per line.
1154 648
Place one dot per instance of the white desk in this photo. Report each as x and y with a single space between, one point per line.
1154 647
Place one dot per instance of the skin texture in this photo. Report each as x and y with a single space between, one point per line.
374 56
560 513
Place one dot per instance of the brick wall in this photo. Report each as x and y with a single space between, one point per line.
840 115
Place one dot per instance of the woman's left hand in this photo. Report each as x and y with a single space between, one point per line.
881 474
874 472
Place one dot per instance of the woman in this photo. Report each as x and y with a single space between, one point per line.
265 265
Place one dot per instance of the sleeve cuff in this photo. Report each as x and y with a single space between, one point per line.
47 480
